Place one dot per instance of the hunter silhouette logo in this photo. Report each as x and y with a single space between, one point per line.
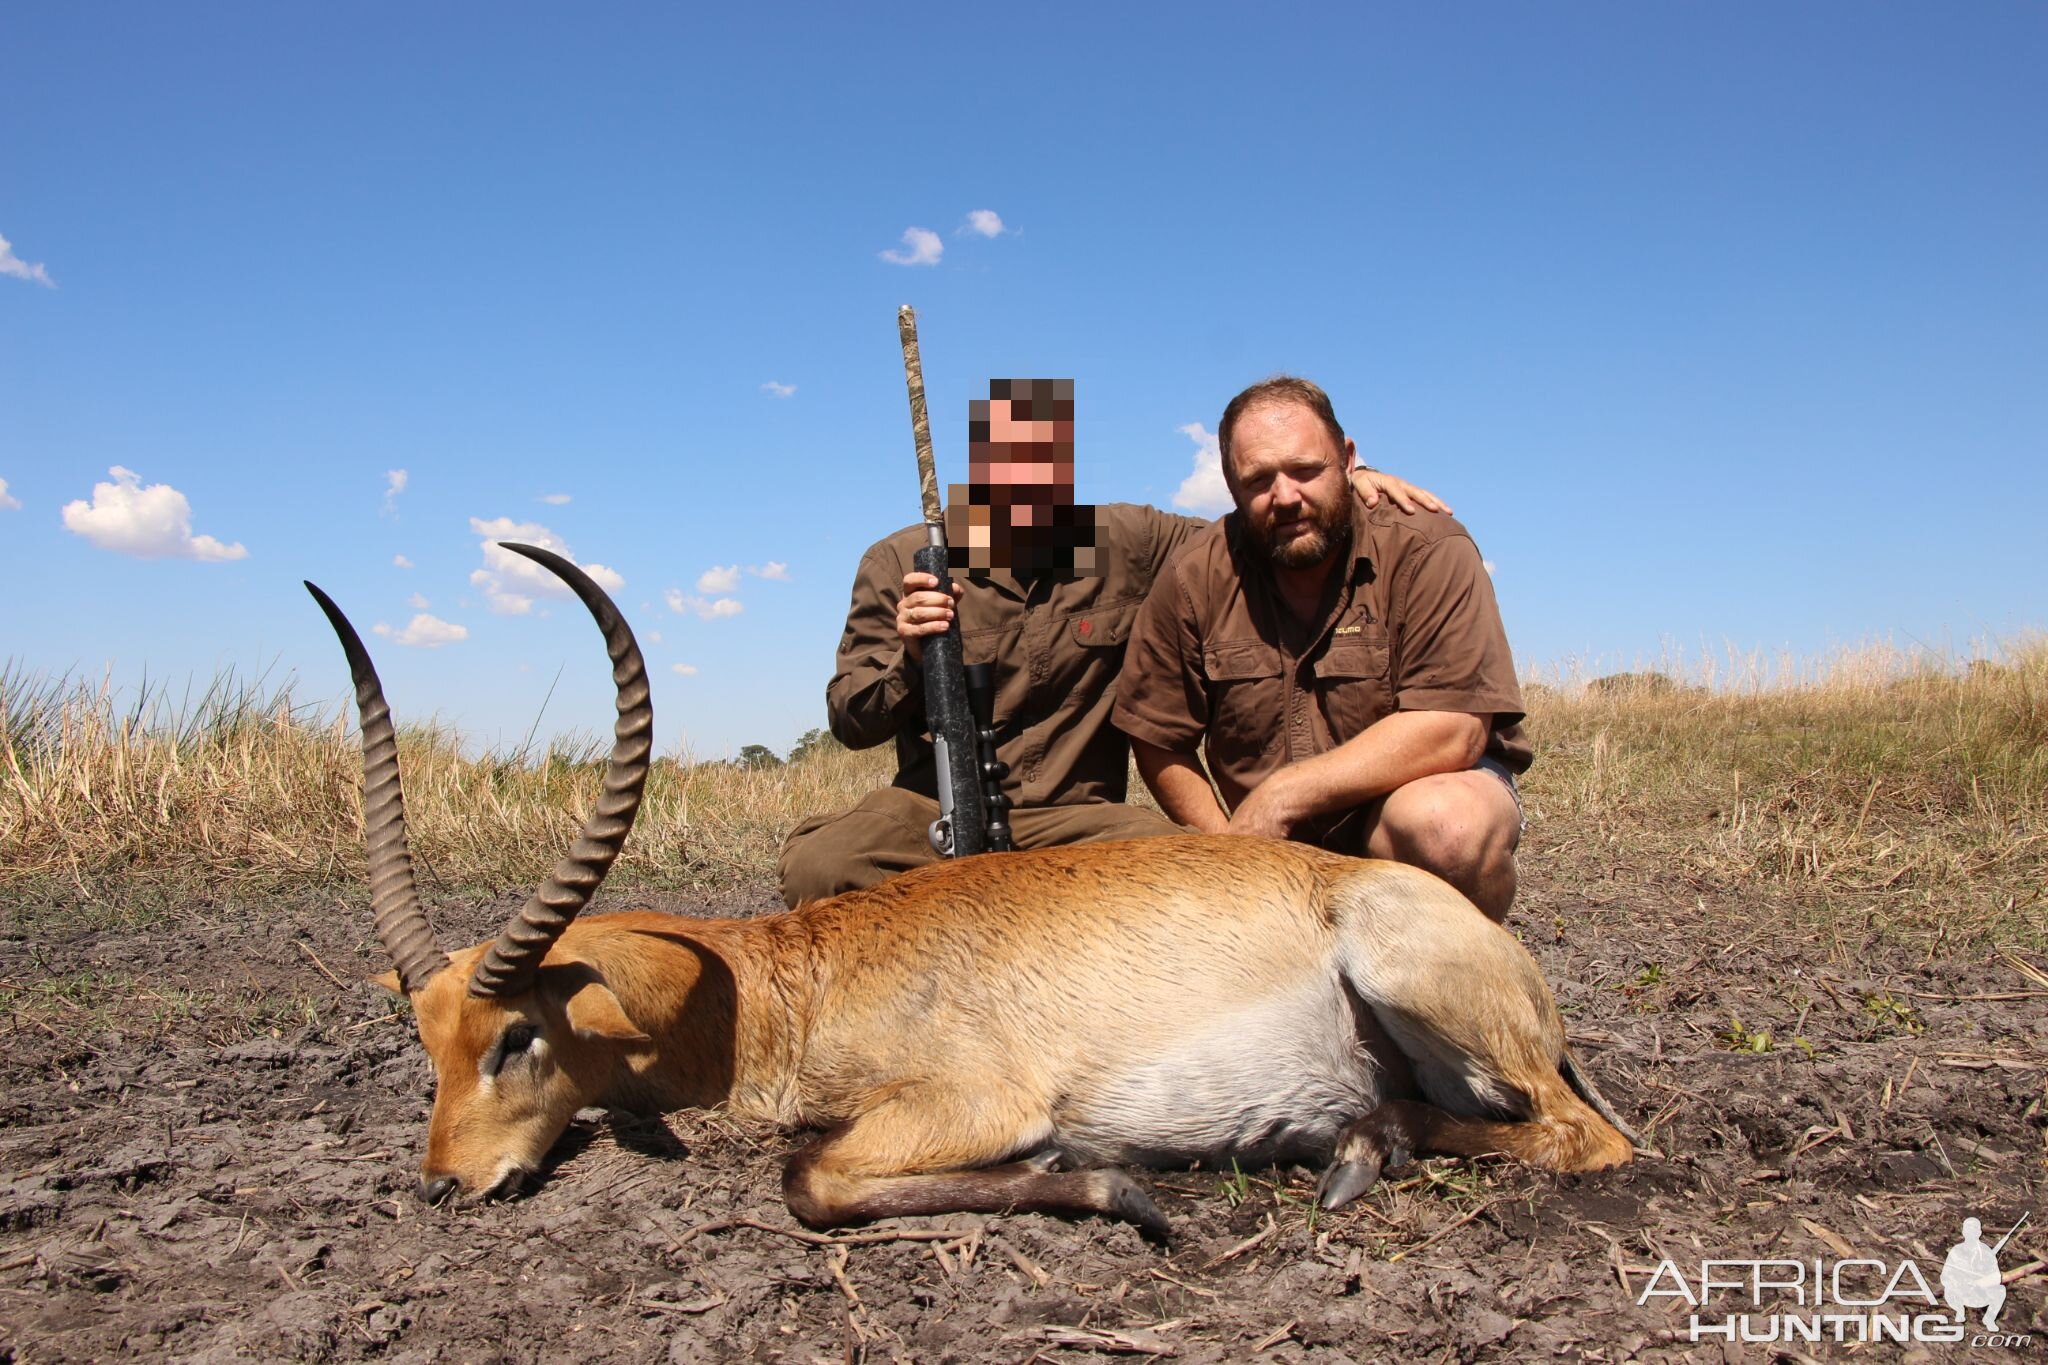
1969 1277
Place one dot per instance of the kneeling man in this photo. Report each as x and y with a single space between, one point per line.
1343 670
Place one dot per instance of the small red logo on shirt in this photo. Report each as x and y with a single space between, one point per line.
1086 627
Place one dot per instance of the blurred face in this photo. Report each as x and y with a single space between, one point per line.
1026 468
1292 483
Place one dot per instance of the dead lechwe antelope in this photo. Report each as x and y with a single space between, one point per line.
998 1033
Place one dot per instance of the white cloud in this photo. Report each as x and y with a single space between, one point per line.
683 670
683 604
401 561
511 581
149 523
1203 490
923 247
774 570
715 579
418 601
1487 565
779 390
987 222
423 632
395 481
11 504
554 499
11 264
653 637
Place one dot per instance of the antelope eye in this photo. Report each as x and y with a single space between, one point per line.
514 1042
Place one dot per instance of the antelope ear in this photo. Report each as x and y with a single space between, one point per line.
594 1012
390 982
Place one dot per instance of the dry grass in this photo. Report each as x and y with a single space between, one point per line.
1878 774
1881 776
243 788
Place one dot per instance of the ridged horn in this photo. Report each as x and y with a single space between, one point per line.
394 899
508 968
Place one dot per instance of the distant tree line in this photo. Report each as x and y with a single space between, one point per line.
809 745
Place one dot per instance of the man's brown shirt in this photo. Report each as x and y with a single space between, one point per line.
1057 642
1217 661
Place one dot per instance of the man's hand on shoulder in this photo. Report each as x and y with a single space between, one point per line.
923 610
1373 484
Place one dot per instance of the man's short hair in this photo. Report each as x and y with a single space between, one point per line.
1030 400
1281 388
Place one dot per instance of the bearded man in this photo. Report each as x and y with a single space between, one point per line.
1343 670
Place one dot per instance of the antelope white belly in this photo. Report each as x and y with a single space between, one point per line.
1276 1081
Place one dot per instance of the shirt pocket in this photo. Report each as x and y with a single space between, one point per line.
1105 629
1353 686
1084 657
1247 698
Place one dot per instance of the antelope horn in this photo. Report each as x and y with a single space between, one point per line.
508 968
401 924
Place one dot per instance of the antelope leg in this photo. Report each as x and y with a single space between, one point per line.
924 1151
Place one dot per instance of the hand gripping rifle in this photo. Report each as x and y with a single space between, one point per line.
958 701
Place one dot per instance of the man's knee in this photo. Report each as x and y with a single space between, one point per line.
1459 825
881 836
804 867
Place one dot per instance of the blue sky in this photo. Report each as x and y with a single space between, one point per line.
1718 324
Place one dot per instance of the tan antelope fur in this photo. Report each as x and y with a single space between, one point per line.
996 1033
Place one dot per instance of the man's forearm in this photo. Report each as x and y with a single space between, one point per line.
1391 753
868 701
1181 788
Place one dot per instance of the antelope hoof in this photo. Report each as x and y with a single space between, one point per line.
1044 1161
1126 1199
1344 1181
1378 1142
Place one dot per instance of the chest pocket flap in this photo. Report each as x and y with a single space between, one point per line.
1240 661
1353 661
1103 629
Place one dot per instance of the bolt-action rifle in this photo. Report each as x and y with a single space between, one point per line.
958 701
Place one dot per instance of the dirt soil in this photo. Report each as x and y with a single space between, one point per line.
208 1138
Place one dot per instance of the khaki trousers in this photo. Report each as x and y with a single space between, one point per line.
885 835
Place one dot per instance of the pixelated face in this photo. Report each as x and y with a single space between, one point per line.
1020 448
1017 510
1292 484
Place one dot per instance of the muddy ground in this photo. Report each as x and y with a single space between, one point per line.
208 1131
